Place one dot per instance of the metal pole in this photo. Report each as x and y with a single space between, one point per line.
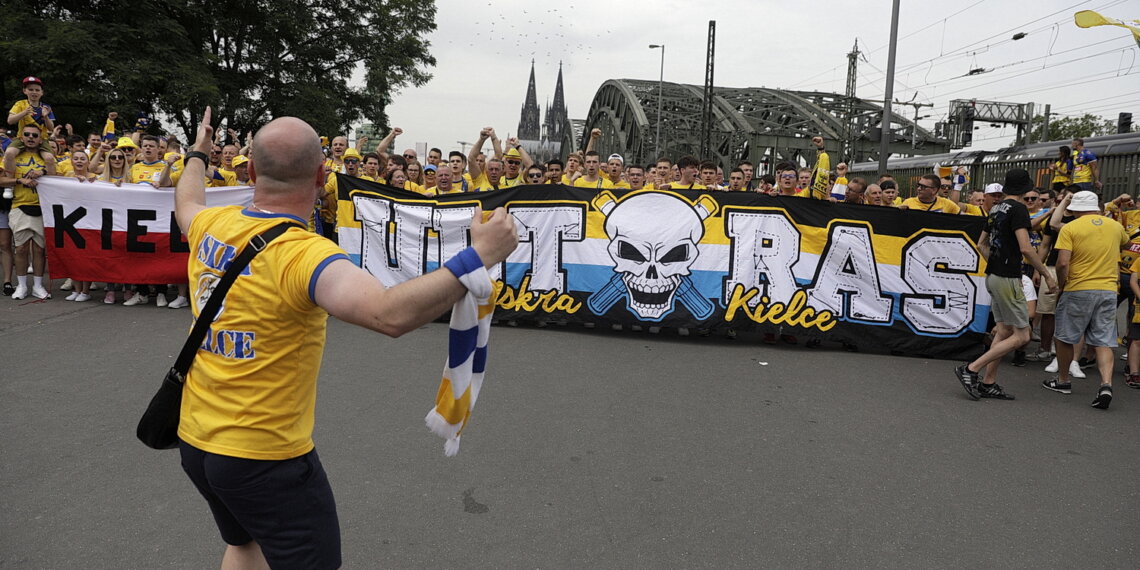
885 130
660 97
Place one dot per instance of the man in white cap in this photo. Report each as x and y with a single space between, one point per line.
1088 252
992 196
1004 242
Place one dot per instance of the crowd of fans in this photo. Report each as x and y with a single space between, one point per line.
42 147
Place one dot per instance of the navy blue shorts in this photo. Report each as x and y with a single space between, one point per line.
286 506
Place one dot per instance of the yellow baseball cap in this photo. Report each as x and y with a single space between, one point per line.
513 154
126 142
239 160
352 153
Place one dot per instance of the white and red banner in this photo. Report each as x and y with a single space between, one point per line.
96 231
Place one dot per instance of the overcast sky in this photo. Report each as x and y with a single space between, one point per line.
484 49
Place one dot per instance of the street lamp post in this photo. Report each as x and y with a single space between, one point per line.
660 96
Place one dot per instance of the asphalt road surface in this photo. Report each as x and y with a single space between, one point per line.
588 449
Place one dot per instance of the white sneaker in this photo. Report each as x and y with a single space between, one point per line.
8 194
21 292
160 300
178 303
40 292
72 296
67 285
138 299
82 297
1054 367
1075 370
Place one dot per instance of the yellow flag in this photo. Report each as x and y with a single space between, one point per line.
1088 19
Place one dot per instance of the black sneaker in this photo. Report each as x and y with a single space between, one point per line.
1054 385
9 289
1103 398
1019 358
1086 363
993 391
969 381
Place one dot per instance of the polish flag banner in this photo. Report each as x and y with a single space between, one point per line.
96 231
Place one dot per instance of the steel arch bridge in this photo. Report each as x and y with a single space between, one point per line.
763 126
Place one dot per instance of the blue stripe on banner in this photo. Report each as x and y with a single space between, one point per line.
459 343
480 362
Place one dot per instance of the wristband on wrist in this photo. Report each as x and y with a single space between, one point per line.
464 262
196 154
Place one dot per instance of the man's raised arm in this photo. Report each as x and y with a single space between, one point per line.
190 194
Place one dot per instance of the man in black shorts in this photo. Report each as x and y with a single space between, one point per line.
249 399
1004 242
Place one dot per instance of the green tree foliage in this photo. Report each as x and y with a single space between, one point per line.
331 63
1068 128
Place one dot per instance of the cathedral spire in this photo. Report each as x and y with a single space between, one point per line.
556 114
529 128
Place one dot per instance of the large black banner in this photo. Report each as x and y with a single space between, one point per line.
878 277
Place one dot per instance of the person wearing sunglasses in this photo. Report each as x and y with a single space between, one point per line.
430 175
926 197
22 170
535 175
327 202
516 161
786 178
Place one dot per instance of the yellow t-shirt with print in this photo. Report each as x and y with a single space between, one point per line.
251 391
26 162
22 106
1095 242
940 205
1131 252
505 182
142 172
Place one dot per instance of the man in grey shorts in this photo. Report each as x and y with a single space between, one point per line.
1004 242
1088 252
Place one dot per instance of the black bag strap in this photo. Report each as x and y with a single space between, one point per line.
210 311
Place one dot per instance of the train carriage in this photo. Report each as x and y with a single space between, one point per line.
1117 155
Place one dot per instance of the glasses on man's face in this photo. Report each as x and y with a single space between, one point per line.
32 135
534 175
944 187
1031 198
409 156
351 161
514 162
788 176
215 152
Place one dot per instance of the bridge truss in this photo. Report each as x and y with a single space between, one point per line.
764 126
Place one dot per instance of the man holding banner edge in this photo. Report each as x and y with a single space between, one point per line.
285 512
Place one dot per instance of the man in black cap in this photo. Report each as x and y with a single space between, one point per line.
1004 242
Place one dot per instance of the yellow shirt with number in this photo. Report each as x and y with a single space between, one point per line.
252 389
